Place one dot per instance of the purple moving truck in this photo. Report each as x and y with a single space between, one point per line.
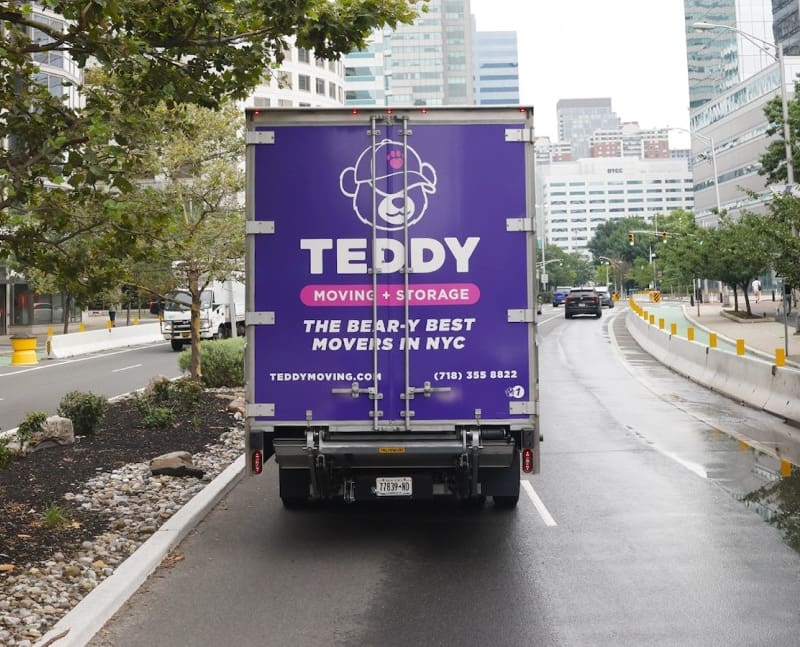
391 301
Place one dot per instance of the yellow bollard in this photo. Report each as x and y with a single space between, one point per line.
786 468
690 333
24 351
661 323
780 357
50 331
652 319
712 339
136 321
740 346
108 325
673 328
81 327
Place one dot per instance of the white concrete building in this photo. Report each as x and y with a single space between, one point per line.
301 81
577 197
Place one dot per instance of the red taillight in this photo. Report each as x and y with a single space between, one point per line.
257 461
527 460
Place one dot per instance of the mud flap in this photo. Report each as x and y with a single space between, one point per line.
294 484
501 481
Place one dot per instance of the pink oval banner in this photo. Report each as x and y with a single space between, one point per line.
421 294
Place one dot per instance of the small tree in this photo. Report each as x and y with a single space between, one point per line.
199 190
739 252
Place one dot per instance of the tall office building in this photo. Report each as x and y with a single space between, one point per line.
786 25
431 60
496 75
719 59
426 63
578 119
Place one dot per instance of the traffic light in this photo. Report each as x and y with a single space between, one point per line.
664 236
631 238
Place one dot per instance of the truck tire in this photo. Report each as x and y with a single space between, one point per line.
176 345
294 487
222 332
505 502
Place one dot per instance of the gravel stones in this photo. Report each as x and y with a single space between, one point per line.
33 598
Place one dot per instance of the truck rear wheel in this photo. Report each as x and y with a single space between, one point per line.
505 502
294 487
222 332
177 345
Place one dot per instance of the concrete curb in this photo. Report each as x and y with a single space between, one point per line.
751 380
97 608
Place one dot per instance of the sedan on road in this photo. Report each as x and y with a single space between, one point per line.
582 301
606 299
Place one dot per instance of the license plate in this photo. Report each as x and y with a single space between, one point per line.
394 486
186 334
581 305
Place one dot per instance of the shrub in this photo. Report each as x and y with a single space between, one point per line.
6 455
55 516
154 416
187 393
86 410
159 389
33 422
221 362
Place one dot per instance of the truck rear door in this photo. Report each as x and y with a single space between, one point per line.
392 268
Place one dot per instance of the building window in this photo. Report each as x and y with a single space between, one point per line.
302 55
331 89
304 82
285 80
320 83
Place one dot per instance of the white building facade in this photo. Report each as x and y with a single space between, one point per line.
577 197
302 81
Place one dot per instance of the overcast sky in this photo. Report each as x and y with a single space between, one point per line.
633 51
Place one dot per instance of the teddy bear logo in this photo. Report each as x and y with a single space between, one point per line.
393 162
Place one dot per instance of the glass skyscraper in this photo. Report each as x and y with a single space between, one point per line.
496 78
719 59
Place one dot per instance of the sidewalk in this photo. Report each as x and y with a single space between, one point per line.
762 336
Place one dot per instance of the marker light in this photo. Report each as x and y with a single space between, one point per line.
258 462
527 460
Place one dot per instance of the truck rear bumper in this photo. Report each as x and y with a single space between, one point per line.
392 452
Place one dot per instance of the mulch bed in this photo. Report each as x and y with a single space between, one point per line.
31 483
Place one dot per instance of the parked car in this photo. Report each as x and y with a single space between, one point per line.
606 298
582 301
560 294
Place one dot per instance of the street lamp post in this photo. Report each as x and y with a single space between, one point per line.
608 263
710 140
544 244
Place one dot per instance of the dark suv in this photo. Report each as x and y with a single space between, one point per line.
582 301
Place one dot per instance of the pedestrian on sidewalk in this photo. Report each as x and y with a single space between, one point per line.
756 285
112 314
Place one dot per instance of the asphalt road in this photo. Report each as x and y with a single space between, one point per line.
631 535
40 387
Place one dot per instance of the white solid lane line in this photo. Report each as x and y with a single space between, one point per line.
537 503
125 368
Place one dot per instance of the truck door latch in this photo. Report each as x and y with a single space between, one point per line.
426 389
